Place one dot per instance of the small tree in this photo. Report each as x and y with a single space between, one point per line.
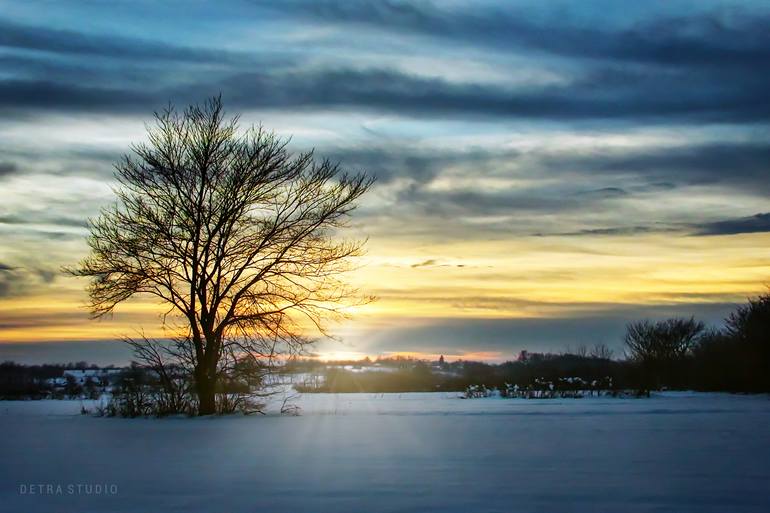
660 346
232 233
600 351
719 363
749 328
750 322
72 388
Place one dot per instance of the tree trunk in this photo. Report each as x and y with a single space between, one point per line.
205 387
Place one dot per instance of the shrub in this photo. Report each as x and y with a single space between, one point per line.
660 348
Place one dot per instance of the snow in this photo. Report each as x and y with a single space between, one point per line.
677 452
81 376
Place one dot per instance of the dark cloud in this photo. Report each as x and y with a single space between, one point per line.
712 68
564 188
759 223
618 231
653 187
755 224
602 324
100 352
10 281
433 263
608 94
604 193
740 164
654 169
626 96
18 281
388 163
43 218
26 37
454 203
573 194
47 94
717 40
33 318
24 318
706 65
426 263
8 168
46 275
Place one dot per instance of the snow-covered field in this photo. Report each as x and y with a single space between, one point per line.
367 453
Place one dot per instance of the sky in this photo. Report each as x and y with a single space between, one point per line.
546 171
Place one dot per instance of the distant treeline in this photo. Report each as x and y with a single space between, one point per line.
675 353
423 376
18 381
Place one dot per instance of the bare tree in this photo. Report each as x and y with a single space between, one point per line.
661 347
601 351
749 322
171 375
666 340
230 231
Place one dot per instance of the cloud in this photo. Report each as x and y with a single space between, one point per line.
702 65
602 324
618 231
607 94
18 281
714 39
705 66
8 168
616 94
758 223
46 94
100 352
502 191
388 163
643 170
10 281
604 193
43 218
740 164
596 190
62 41
488 202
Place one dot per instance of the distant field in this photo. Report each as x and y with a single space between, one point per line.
676 452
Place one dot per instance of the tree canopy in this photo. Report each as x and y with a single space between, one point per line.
237 236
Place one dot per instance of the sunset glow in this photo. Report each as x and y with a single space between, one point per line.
542 194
